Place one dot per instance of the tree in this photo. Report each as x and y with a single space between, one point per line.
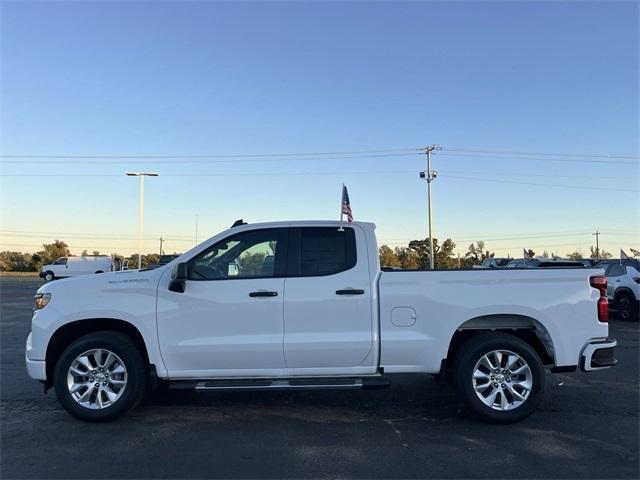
15 262
574 255
51 252
421 250
444 255
596 253
146 260
407 258
387 257
251 263
84 253
531 253
477 253
635 253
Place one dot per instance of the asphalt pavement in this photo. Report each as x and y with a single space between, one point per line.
587 427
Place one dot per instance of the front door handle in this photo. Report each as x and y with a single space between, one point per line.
350 291
263 293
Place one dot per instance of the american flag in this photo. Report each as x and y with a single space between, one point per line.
346 204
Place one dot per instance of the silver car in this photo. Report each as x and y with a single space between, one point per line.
623 287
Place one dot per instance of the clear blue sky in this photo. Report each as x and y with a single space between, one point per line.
100 78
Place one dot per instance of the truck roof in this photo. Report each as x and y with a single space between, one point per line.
307 223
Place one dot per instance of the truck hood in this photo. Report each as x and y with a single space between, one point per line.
105 281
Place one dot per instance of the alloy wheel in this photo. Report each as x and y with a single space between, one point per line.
502 380
97 378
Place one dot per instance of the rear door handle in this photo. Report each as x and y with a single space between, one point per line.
350 291
262 293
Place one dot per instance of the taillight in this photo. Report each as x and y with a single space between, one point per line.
600 283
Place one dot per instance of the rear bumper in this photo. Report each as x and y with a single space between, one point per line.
598 354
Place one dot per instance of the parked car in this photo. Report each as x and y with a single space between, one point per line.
493 262
544 263
293 305
623 287
163 260
73 266
590 262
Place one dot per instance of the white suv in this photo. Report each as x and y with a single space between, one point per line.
623 288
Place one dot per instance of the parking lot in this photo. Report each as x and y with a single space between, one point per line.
587 426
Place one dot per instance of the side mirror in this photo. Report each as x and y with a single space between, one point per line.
179 278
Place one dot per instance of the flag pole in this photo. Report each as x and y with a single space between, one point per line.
341 228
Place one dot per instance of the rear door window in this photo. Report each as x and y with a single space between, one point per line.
318 251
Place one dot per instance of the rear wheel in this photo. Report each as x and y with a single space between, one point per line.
48 276
499 377
100 376
627 306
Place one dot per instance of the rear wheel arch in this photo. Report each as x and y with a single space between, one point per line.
70 332
623 291
524 327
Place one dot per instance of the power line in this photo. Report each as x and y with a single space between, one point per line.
414 151
335 152
540 154
542 175
446 173
539 159
553 185
225 174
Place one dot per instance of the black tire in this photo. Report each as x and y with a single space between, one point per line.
465 363
627 307
48 276
126 349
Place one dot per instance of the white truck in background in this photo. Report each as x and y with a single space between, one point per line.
293 305
72 266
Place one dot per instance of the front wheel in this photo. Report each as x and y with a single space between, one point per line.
499 377
100 376
49 276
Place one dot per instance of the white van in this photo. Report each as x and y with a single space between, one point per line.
73 266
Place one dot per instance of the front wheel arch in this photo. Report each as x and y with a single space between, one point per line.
70 332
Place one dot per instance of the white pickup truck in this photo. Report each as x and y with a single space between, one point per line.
305 305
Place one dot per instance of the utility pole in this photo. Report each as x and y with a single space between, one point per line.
160 246
597 235
430 175
141 226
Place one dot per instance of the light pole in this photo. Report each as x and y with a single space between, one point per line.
141 226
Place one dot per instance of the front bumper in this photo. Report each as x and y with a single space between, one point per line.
598 355
37 369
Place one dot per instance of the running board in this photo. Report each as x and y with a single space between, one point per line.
282 384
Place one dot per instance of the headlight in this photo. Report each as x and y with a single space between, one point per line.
41 300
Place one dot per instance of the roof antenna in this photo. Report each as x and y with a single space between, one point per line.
237 223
